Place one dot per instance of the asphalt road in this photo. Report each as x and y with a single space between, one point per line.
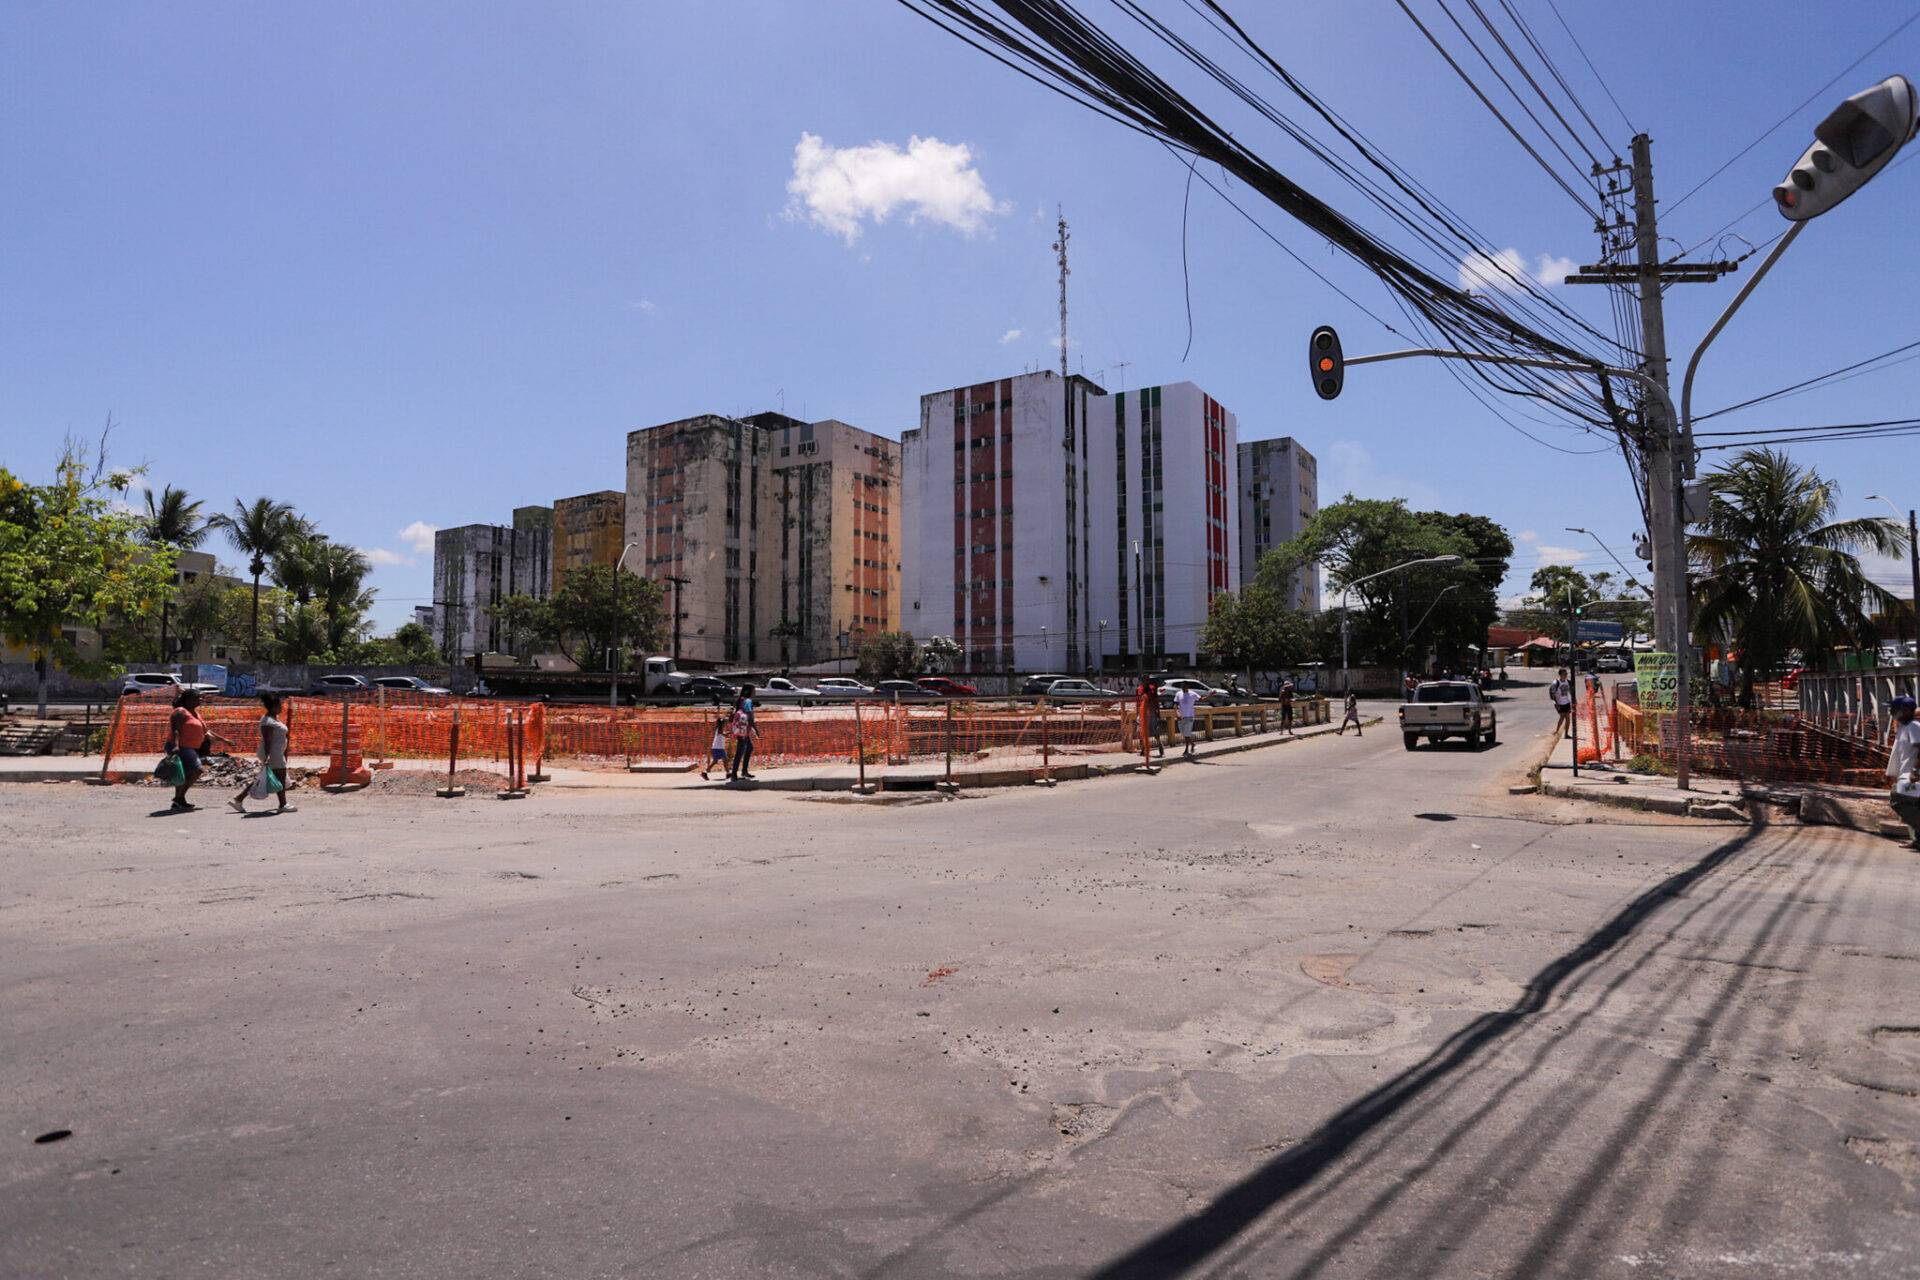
1330 1009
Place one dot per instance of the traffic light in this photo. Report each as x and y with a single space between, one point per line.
1851 145
1328 365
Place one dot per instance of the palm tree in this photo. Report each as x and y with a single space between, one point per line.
172 521
339 572
1776 571
296 566
259 530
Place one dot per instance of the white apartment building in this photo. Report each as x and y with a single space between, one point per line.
1050 526
1278 491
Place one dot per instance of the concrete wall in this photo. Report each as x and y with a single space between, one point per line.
18 681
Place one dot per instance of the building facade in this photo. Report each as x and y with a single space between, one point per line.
835 490
785 534
1278 491
587 530
1052 526
475 567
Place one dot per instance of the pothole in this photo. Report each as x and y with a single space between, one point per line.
1082 1121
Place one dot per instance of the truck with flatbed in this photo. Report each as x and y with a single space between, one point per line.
1442 709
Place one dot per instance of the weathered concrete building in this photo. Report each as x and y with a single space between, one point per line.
1278 491
1051 526
587 530
786 533
835 489
476 566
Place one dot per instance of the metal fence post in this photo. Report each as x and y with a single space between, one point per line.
859 746
450 791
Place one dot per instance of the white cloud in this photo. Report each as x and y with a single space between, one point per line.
1011 335
1552 270
1506 271
646 306
380 557
1558 555
419 537
1527 536
837 188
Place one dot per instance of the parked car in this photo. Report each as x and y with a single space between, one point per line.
1211 695
842 689
323 686
1447 709
705 687
781 689
1613 661
158 681
1068 687
1037 685
901 691
947 688
411 684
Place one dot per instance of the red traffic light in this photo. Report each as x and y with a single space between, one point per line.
1325 361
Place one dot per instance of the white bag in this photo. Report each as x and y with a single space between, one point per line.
260 790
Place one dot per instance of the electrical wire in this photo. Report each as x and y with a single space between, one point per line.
1806 384
1554 5
1765 133
1553 70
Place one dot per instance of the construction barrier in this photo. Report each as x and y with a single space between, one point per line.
1753 746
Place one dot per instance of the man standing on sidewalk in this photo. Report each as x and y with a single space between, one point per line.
1186 703
1286 706
1903 765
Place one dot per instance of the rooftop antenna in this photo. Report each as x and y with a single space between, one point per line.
1060 248
1121 367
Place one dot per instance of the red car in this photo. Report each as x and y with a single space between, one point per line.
947 688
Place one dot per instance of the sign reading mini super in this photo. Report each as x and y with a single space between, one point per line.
1657 676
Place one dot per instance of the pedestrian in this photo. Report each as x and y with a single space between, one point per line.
1351 715
745 734
1152 723
1186 702
1286 705
1903 765
273 759
717 753
1561 693
1408 685
187 737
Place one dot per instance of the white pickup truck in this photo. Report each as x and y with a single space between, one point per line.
1447 709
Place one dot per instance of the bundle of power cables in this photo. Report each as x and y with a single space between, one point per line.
1053 43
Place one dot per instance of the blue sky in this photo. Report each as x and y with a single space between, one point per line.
407 265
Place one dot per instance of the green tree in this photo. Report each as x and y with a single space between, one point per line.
296 566
595 612
1256 631
415 644
1777 571
173 520
888 655
941 653
301 635
68 552
339 576
259 530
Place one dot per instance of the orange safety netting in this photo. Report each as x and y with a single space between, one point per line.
1760 746
393 726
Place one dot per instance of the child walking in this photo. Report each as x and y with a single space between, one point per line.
717 754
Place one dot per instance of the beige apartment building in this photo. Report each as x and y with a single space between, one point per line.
587 530
785 534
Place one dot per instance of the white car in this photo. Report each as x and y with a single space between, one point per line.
411 684
1070 688
781 689
843 689
1211 695
167 681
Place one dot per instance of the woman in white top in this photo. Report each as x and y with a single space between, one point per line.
273 759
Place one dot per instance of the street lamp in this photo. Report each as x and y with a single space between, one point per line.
1574 528
1913 558
1346 592
613 664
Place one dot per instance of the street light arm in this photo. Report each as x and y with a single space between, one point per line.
1693 365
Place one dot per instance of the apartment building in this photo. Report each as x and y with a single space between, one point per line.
785 532
835 488
1278 492
1052 526
588 529
476 566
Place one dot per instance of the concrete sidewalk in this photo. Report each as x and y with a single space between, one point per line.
1813 803
920 775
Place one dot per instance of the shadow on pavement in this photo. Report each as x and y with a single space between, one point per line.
1179 1249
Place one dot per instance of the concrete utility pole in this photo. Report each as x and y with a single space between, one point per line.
1660 450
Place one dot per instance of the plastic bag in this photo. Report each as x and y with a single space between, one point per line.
266 785
171 770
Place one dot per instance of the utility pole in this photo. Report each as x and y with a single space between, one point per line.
1666 454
